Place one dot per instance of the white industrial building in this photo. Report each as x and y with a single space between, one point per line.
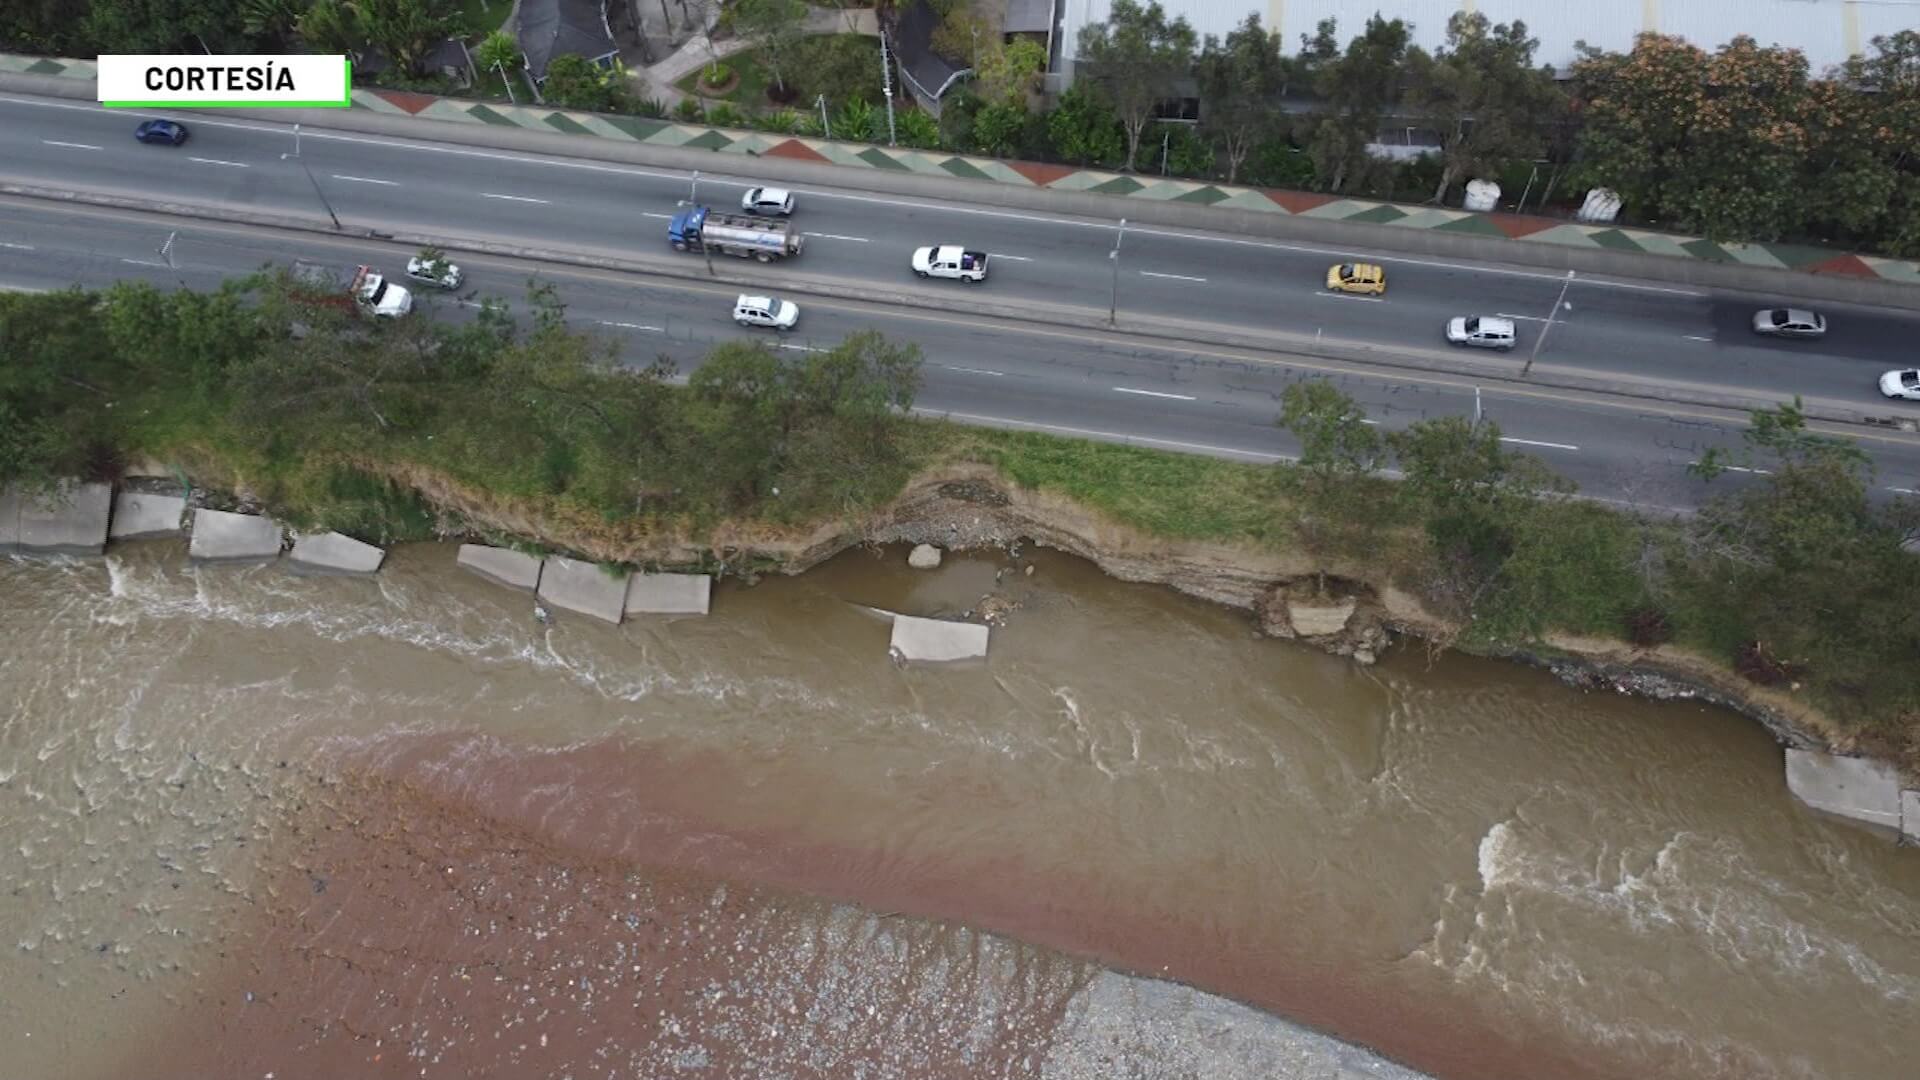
1827 31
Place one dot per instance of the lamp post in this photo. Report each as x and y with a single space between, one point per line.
1113 300
693 191
1542 339
821 100
295 156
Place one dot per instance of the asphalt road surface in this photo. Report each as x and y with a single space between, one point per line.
979 370
1609 327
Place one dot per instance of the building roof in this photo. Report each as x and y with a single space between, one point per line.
1827 31
550 28
1028 17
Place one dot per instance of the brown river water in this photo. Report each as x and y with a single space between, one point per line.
254 824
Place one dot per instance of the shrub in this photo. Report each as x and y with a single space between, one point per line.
726 114
779 121
688 109
918 130
651 106
719 74
1648 626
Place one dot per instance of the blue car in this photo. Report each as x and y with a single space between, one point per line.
161 131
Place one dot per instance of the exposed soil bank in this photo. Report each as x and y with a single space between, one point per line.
1345 605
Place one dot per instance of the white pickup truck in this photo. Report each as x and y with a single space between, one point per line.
951 261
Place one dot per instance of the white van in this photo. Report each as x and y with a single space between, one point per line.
1481 331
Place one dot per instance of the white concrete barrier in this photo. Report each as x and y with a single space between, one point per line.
1910 815
70 521
583 587
503 565
1858 788
219 535
337 553
937 639
141 513
669 594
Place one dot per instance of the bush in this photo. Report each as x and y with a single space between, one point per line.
1648 626
1277 163
842 67
717 75
918 130
779 121
728 115
1084 131
688 109
651 106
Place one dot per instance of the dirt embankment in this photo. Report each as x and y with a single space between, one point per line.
1344 605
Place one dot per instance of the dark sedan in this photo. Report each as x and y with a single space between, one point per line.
164 132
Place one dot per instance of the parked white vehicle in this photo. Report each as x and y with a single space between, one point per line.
767 200
765 311
951 261
1904 385
437 272
1481 331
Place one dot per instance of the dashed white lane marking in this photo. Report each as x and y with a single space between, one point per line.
629 326
217 161
1113 436
1531 442
1903 491
511 198
1173 277
837 236
1738 468
1152 393
662 217
71 145
143 262
16 247
972 370
1528 318
1349 296
1695 337
365 180
1015 258
798 348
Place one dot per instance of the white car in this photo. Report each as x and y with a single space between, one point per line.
1904 385
767 200
436 272
1481 331
951 261
1789 323
766 311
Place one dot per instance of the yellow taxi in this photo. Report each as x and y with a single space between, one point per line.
1365 279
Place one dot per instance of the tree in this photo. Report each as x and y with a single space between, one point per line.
1084 130
165 26
499 52
963 36
1358 86
42 27
842 67
997 128
1133 60
1885 85
574 82
330 26
1713 142
778 27
1006 74
1240 81
272 22
1483 96
406 30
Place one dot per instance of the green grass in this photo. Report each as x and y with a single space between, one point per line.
749 92
482 17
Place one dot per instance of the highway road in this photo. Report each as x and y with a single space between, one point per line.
980 370
1609 327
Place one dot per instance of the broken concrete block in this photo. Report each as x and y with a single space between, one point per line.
583 587
141 513
504 565
335 552
71 521
1858 788
219 535
937 639
669 594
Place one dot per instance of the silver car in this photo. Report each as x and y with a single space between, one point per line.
1789 322
1481 331
767 200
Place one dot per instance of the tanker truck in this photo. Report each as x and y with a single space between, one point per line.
700 229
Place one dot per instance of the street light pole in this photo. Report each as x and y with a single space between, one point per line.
821 100
316 190
1113 301
1542 339
693 193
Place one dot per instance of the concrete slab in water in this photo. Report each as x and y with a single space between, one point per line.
218 535
141 513
73 522
1858 788
1910 814
937 639
335 552
504 565
9 521
583 587
669 594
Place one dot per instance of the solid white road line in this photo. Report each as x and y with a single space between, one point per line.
1173 277
402 144
798 348
630 326
1903 491
511 198
217 161
1738 468
365 180
1152 393
1695 337
663 217
837 236
1530 442
1529 318
1015 258
143 262
72 145
16 247
972 370
999 421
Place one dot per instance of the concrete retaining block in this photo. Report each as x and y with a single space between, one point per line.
9 521
337 553
583 587
1910 815
219 536
141 513
937 639
669 594
1857 788
505 566
71 522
